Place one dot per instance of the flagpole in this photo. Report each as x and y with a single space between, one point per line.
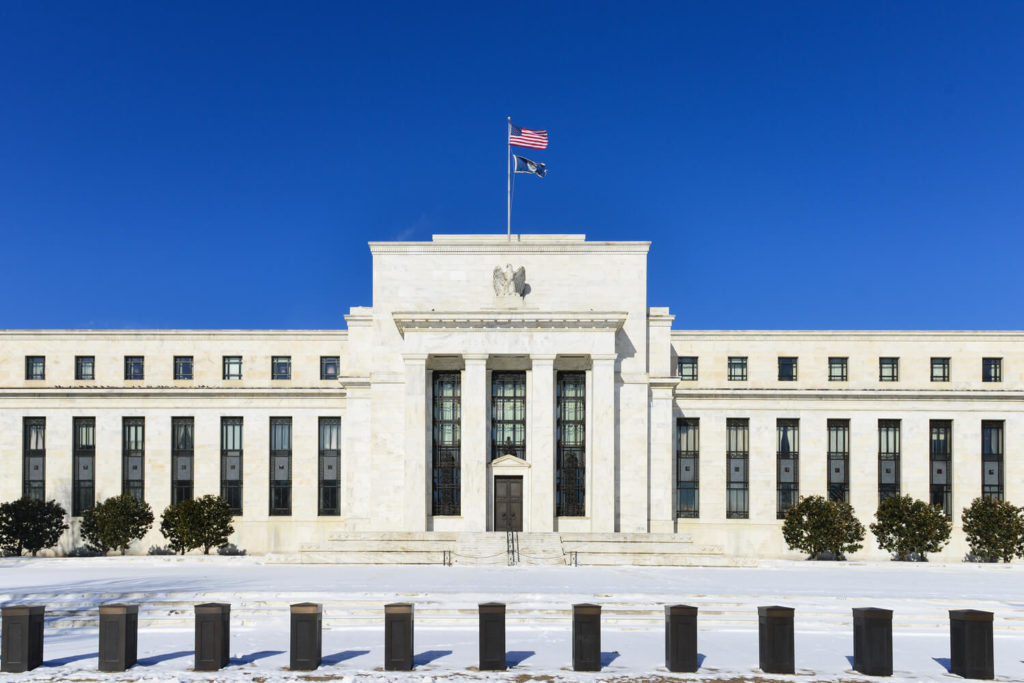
508 140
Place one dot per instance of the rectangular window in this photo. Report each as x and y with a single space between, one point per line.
329 367
83 467
281 367
231 463
888 369
888 459
232 367
133 367
280 466
787 457
737 456
839 460
182 458
508 414
330 466
570 468
991 369
941 479
85 367
35 367
737 368
992 459
787 369
33 483
183 367
688 467
688 368
133 453
837 369
940 369
446 492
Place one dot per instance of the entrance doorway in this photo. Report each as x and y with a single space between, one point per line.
508 503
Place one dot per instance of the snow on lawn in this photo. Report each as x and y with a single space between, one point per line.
446 636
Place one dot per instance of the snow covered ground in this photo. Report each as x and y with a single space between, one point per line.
539 623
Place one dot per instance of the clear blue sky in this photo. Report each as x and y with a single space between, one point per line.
796 165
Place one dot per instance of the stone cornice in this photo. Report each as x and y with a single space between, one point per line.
854 335
177 392
848 395
502 247
431 321
103 335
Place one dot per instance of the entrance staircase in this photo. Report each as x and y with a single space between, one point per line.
492 548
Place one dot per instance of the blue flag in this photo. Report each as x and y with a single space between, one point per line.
524 165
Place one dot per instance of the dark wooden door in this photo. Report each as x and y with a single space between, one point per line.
508 503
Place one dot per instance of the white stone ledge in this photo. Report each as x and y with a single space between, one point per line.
502 319
198 392
851 394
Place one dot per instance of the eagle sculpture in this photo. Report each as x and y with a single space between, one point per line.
508 282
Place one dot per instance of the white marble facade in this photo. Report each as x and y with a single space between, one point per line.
582 306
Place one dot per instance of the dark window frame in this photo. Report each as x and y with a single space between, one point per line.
80 367
230 361
446 443
134 486
280 367
688 368
571 443
329 461
231 488
838 459
33 454
788 368
787 451
889 448
736 369
280 503
35 368
993 450
184 367
840 363
501 382
83 460
688 456
325 363
737 455
134 368
942 365
992 369
940 473
182 453
893 364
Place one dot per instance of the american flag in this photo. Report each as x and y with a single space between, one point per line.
524 137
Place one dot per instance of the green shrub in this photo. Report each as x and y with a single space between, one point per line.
200 523
30 524
909 528
816 525
115 523
994 529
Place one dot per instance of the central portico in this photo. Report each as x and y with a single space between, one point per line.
496 371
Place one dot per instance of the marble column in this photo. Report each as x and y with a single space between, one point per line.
662 442
603 505
475 437
541 450
417 487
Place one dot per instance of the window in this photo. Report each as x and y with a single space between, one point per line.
888 369
991 369
281 367
232 367
182 458
133 453
837 371
787 369
570 467
231 463
83 467
940 369
33 483
888 459
508 414
688 368
280 466
330 466
941 479
839 460
446 493
85 367
133 367
737 368
992 459
329 367
737 455
787 457
183 367
35 367
687 467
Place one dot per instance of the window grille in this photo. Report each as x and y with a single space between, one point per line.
941 476
508 414
85 367
133 452
737 368
888 459
280 466
687 467
838 369
231 463
183 367
447 463
83 467
839 460
182 458
992 459
688 368
134 367
34 458
570 477
788 464
330 466
737 456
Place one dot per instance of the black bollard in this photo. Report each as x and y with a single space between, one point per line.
586 637
681 638
306 649
213 636
22 640
492 637
398 636
119 637
970 643
775 639
872 641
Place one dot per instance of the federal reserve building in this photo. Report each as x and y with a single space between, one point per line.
523 383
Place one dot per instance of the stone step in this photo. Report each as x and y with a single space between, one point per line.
585 537
659 560
639 548
372 557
